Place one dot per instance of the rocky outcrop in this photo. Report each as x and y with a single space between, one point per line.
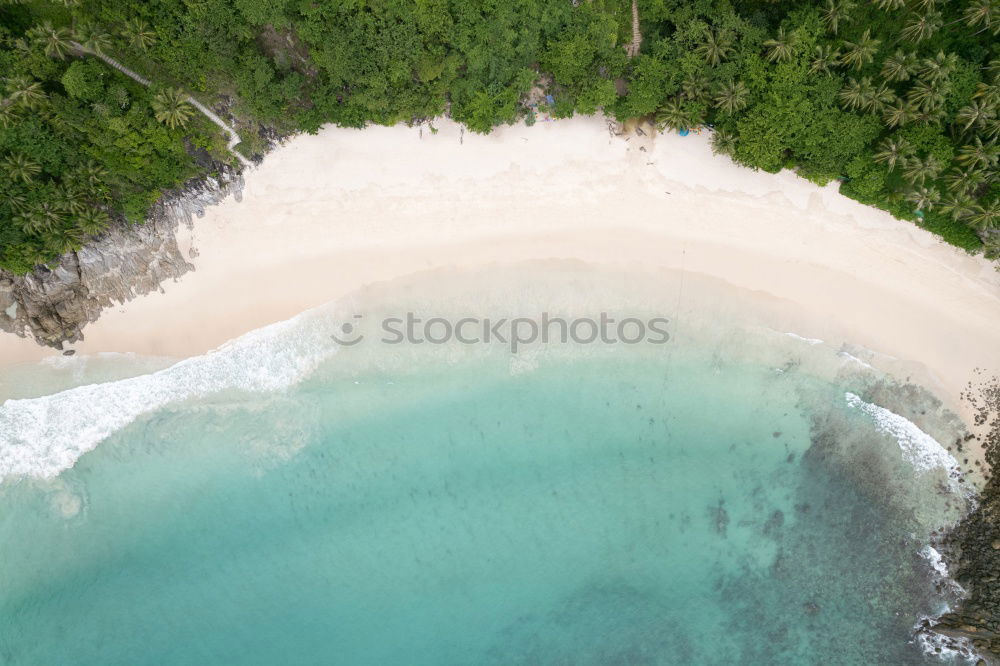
974 546
53 305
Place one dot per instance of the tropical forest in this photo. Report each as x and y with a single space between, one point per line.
107 104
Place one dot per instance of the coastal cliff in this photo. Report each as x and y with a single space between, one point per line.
53 304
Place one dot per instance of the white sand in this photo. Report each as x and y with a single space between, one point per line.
326 215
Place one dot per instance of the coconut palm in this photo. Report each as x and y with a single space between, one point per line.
732 96
921 26
923 198
47 215
991 127
92 221
90 175
695 87
717 47
988 92
900 66
824 59
958 206
865 95
58 42
980 12
138 34
860 53
916 170
894 151
962 181
781 48
674 115
63 240
30 222
939 67
986 218
834 12
898 113
926 95
172 108
976 113
8 114
890 4
723 143
69 199
16 201
25 92
93 39
977 154
20 167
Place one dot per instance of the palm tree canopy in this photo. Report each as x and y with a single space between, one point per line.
781 48
860 53
172 108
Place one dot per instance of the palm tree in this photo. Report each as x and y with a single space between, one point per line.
835 12
781 48
20 167
48 216
70 200
865 95
900 66
695 87
674 115
917 170
172 108
926 95
63 240
923 197
989 92
825 58
893 152
898 113
8 114
986 218
890 4
958 206
16 201
980 12
718 46
921 26
939 67
977 154
92 221
963 181
723 143
30 222
991 127
860 53
25 92
58 42
93 39
976 113
138 34
732 96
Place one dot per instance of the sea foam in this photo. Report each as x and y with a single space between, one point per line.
919 449
41 437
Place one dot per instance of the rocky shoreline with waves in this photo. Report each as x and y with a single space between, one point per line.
973 547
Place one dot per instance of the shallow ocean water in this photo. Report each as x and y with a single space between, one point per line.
624 506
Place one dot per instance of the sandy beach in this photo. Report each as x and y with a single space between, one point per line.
326 215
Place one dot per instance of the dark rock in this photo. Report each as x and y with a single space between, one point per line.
53 305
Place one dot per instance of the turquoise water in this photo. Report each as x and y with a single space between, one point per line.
625 508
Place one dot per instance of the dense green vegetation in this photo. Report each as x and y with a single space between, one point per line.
898 99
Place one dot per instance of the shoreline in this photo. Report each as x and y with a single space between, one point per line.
329 214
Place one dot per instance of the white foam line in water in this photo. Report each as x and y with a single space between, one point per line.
811 341
852 357
919 449
43 436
